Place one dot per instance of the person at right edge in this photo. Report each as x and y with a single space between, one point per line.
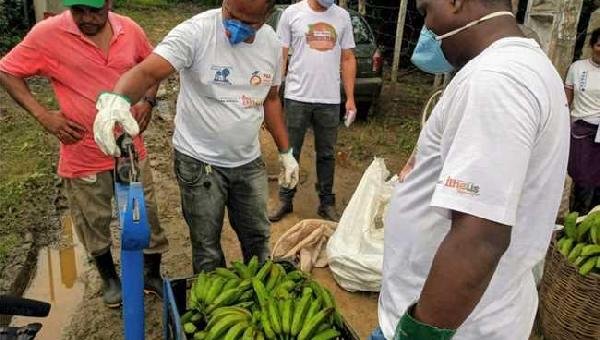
583 93
475 213
321 37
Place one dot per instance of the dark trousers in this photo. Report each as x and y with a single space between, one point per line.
584 198
205 193
324 120
584 167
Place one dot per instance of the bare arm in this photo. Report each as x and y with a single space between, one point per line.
142 111
274 119
461 271
17 88
410 164
143 77
54 122
570 95
285 52
349 75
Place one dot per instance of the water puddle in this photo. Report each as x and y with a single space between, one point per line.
57 281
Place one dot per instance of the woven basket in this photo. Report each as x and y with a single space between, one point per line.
569 302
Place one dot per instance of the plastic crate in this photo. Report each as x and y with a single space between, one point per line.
175 304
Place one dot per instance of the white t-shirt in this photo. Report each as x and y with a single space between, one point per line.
316 40
584 79
495 147
223 87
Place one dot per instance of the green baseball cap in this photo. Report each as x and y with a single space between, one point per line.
89 3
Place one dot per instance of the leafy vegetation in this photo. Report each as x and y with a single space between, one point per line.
27 157
15 21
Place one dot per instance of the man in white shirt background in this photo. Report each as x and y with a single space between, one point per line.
476 212
230 68
582 87
320 37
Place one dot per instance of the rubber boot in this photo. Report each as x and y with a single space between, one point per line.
328 212
284 208
111 285
153 282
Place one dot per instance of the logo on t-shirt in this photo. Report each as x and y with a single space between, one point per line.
583 81
461 187
221 74
248 102
321 36
259 78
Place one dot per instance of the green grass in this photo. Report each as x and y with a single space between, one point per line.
27 156
9 241
156 19
390 137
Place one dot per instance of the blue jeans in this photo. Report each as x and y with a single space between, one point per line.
324 120
205 192
377 334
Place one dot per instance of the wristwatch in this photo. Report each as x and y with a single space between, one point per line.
150 100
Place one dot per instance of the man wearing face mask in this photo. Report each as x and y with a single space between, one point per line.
321 37
476 212
230 70
84 51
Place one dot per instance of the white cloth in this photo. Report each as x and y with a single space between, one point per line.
306 242
223 88
584 79
316 41
495 147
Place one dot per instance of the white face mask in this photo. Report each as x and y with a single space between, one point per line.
429 56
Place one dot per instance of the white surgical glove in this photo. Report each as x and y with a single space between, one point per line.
112 108
290 171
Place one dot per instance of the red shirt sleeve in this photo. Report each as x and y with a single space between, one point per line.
144 45
28 57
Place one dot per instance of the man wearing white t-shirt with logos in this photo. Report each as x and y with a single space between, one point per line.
230 69
320 36
476 211
582 87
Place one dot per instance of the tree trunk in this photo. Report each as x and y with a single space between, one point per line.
399 35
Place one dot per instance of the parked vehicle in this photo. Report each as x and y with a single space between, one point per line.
369 60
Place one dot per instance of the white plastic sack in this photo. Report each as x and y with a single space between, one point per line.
355 251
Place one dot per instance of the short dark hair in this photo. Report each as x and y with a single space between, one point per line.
595 37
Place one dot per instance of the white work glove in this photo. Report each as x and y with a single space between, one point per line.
349 117
290 170
112 108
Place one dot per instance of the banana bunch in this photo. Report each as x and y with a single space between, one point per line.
581 242
310 315
267 302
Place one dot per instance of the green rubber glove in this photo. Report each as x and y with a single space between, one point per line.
410 329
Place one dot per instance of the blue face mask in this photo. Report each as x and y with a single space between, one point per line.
429 56
238 31
326 3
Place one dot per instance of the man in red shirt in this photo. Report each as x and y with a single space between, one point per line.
84 51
